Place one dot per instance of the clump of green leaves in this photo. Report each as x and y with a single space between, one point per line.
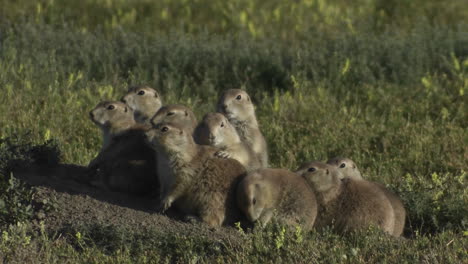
18 151
17 200
437 203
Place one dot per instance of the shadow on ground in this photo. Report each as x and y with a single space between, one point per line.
80 204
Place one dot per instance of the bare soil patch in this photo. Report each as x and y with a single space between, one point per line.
79 204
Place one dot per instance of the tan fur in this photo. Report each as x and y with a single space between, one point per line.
125 163
145 102
347 204
237 106
203 185
113 118
215 130
349 169
177 114
277 193
346 166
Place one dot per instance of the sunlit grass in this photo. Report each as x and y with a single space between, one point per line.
382 82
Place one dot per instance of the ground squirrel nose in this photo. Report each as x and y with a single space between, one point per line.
224 107
211 136
148 135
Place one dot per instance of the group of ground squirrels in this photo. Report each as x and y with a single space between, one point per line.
216 171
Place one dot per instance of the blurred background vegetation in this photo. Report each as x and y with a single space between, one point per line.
287 20
384 82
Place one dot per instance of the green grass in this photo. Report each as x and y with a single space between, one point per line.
93 244
288 20
382 82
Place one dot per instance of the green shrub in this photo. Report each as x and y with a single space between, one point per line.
382 82
17 200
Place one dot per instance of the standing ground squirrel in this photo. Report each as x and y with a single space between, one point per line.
237 106
145 102
215 130
201 184
125 163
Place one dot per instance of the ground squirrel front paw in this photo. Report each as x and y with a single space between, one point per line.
222 154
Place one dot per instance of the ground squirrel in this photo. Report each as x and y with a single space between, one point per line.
201 184
277 193
347 204
237 106
145 102
348 169
217 131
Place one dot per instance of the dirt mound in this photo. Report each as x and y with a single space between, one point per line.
79 204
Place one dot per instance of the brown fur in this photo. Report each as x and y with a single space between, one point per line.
348 204
349 170
176 114
202 184
237 106
215 130
125 163
346 166
145 102
113 118
277 193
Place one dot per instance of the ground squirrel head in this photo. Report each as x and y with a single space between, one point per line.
171 138
112 114
252 196
216 130
322 177
144 100
346 166
176 114
236 105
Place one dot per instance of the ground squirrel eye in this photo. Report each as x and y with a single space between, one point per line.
311 169
170 113
141 92
222 124
342 165
111 107
164 129
239 97
254 201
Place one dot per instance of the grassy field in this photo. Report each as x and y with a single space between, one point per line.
382 82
